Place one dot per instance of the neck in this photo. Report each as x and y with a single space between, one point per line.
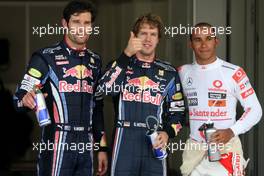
73 45
207 61
145 58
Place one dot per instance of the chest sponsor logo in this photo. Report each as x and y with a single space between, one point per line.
193 101
79 86
79 72
213 95
206 113
217 83
217 103
144 97
189 81
191 94
239 75
217 86
62 62
60 57
247 93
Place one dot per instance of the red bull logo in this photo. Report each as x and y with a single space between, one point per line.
78 87
145 97
144 83
79 71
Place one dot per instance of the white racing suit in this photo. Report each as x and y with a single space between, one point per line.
212 92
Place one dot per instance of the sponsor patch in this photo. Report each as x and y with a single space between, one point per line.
62 62
113 64
177 96
161 72
34 72
60 57
176 109
217 103
144 97
178 87
177 103
239 75
193 101
204 113
217 83
247 93
78 71
77 87
176 127
31 79
243 85
189 81
91 60
191 94
213 95
26 88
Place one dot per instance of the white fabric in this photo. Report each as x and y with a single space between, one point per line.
213 91
194 158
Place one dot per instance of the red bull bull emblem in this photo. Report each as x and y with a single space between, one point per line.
79 71
144 83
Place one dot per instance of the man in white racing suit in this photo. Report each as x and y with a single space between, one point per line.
212 87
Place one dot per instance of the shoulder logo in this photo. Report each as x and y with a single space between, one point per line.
34 72
239 75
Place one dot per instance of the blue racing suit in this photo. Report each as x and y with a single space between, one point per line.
70 78
143 89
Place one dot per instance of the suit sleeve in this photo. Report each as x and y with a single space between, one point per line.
112 80
174 108
249 101
98 118
36 73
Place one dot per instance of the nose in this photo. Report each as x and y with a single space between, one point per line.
203 44
148 37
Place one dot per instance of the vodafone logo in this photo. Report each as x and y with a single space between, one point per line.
217 83
239 75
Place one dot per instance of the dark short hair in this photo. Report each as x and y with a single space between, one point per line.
78 6
201 24
151 19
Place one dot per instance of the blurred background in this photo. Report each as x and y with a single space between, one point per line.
244 47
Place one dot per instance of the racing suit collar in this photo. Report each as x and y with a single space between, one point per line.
143 64
73 51
213 65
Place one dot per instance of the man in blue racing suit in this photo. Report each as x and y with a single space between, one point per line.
145 86
68 73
